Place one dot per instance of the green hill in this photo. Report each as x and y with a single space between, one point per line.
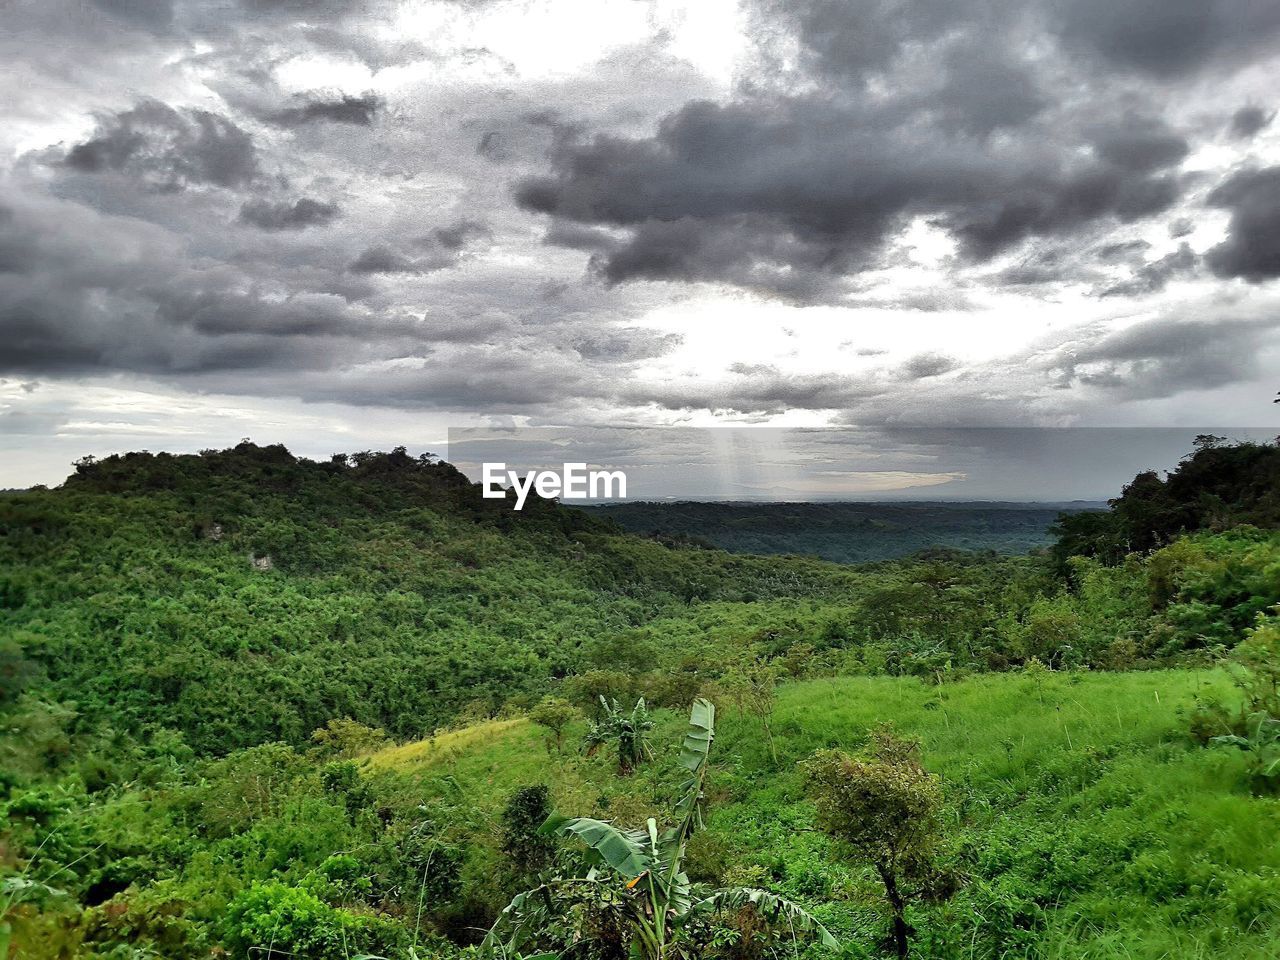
258 706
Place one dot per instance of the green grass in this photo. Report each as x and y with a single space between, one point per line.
447 745
1087 824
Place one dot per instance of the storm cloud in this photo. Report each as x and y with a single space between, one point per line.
168 148
843 212
1007 124
357 111
283 215
1252 247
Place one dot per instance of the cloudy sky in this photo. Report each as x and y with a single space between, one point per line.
345 225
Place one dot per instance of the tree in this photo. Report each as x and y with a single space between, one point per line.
555 715
751 686
885 808
628 731
1257 665
530 850
638 876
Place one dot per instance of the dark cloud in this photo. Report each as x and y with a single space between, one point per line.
304 11
458 235
626 345
169 148
1008 124
1167 38
1121 250
283 215
357 111
1252 247
442 248
845 40
760 390
1040 207
1041 138
575 236
925 365
1248 121
153 15
1141 143
1162 357
221 312
786 195
94 294
383 259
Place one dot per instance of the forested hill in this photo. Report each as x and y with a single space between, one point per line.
242 596
247 595
846 532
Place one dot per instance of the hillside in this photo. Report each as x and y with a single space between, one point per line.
845 532
259 706
1083 820
1064 795
244 595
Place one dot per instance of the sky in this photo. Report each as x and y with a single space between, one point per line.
352 225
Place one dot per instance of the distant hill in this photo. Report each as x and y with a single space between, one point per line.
846 532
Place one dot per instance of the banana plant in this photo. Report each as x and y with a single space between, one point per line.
630 732
641 871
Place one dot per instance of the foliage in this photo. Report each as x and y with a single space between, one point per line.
751 686
628 731
886 808
530 850
158 694
555 715
1262 743
345 738
1217 486
638 875
272 919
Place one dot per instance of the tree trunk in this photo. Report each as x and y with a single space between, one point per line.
768 734
900 929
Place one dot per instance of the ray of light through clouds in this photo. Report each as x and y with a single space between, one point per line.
349 225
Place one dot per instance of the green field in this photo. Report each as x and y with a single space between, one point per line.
1087 823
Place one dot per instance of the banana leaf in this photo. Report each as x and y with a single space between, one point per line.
626 851
693 757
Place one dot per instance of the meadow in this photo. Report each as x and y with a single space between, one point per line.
1086 822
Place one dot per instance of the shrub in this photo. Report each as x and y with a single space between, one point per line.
274 917
886 809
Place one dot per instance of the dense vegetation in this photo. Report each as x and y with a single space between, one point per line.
260 706
1220 486
842 532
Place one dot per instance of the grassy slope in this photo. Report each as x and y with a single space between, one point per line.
1088 825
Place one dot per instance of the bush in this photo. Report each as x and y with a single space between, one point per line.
287 919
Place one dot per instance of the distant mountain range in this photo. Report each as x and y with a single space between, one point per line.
846 532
